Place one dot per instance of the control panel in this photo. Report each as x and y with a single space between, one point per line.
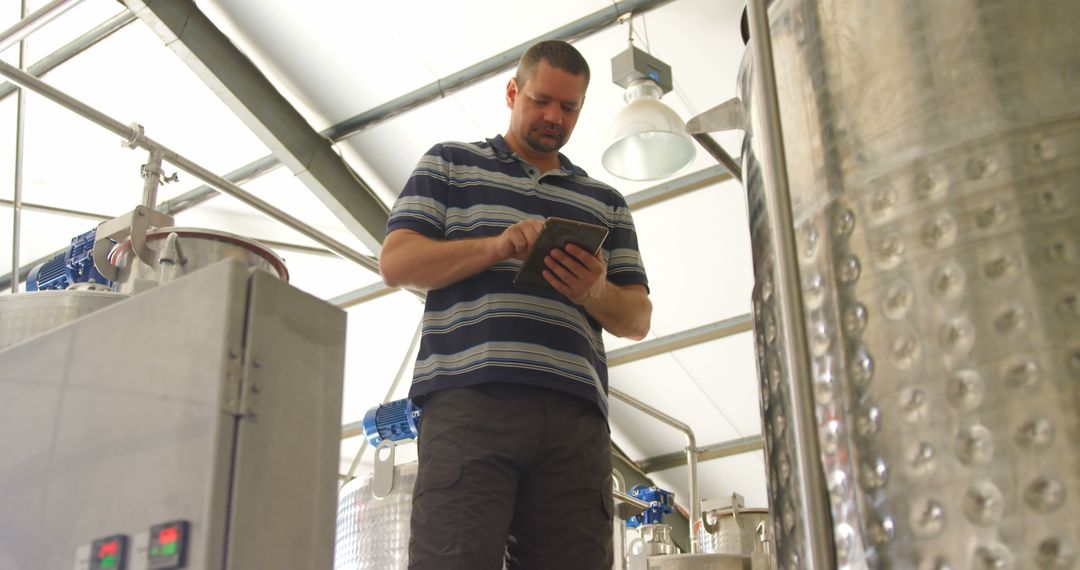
164 547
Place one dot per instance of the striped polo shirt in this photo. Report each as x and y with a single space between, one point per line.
485 328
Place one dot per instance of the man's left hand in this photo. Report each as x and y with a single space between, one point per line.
576 273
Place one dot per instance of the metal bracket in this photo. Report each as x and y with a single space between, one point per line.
385 475
636 558
726 116
134 224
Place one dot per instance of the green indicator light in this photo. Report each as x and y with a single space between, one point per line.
155 551
168 549
108 562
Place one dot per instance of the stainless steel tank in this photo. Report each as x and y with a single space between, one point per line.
732 531
372 533
933 152
194 248
26 315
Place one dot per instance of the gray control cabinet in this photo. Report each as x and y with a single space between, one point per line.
214 399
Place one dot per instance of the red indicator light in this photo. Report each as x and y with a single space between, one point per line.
107 549
167 535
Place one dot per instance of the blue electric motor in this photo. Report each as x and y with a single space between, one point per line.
395 421
661 503
76 265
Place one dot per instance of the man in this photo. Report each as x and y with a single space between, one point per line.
514 444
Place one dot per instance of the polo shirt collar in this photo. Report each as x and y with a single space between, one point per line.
502 149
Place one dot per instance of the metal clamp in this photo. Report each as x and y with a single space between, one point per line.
134 224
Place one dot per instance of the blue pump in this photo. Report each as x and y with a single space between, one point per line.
661 503
76 265
396 421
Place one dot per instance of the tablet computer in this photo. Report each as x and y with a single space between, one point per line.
557 233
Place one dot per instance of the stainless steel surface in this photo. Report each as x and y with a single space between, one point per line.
806 499
135 138
283 504
71 49
691 454
705 453
657 539
937 227
146 412
26 315
733 531
373 534
669 343
699 562
29 24
196 248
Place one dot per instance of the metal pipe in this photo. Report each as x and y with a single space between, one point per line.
135 138
709 144
241 175
819 547
356 428
151 178
670 343
691 454
443 87
72 49
29 24
61 211
20 123
705 453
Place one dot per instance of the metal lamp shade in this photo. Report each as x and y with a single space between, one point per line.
650 139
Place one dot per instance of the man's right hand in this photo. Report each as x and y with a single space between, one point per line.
518 239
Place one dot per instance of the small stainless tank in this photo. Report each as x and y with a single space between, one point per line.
933 152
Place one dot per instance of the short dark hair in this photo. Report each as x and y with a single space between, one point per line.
558 54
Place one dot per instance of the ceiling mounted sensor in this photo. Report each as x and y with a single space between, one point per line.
649 139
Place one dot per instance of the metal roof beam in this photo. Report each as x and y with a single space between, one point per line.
705 453
251 96
685 339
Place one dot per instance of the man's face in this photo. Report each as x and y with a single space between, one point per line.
545 109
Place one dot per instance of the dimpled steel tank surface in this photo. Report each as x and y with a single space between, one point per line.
933 153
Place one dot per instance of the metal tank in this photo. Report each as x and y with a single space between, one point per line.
26 315
373 533
190 250
933 154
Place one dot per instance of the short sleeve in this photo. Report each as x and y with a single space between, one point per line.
625 266
421 206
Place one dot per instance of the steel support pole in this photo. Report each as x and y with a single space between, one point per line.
20 123
29 24
134 138
718 152
691 454
812 488
72 49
